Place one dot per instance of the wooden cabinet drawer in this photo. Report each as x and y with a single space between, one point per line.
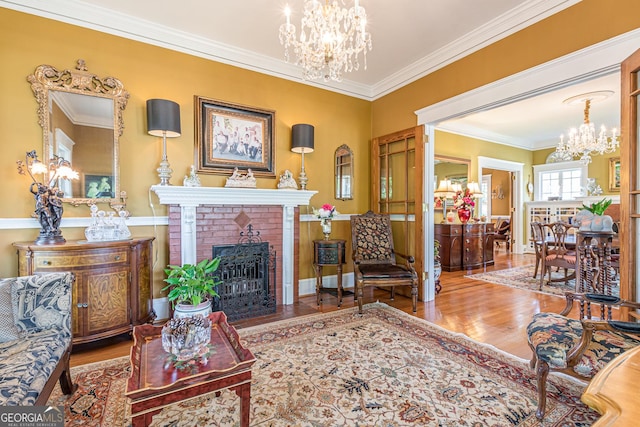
43 261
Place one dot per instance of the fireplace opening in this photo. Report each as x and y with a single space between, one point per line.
248 274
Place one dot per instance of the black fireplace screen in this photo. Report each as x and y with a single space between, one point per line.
248 275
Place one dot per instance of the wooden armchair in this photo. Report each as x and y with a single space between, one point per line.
556 253
374 259
579 348
503 233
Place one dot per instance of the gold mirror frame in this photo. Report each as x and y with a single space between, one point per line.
343 173
46 79
457 177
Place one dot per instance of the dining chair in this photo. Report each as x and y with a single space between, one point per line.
537 236
555 252
579 347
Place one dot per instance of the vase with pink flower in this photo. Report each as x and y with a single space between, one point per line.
464 203
325 214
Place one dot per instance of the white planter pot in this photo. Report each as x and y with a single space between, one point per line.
188 310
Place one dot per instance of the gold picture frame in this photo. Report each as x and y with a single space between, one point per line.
614 174
230 136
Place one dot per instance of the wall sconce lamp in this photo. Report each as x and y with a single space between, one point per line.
47 193
163 119
497 192
302 142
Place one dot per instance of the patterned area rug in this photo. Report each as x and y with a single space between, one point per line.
522 277
384 368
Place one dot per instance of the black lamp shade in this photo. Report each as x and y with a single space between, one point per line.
163 116
302 138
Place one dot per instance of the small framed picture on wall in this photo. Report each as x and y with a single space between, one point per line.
614 174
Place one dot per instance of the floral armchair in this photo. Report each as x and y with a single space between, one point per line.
35 337
374 258
579 348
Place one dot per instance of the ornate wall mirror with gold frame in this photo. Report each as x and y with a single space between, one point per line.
81 119
344 173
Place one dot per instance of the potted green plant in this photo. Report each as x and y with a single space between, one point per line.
598 208
592 217
192 287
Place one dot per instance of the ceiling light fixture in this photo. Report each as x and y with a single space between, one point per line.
331 38
583 141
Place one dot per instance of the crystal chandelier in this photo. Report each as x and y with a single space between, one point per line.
583 142
331 38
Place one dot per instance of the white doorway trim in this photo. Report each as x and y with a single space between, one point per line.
594 61
517 169
586 64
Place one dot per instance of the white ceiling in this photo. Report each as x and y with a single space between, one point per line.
411 38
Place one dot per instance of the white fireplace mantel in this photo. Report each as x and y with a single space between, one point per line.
188 198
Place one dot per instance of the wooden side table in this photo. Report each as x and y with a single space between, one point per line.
154 383
331 253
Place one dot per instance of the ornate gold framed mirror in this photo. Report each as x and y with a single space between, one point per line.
81 119
344 173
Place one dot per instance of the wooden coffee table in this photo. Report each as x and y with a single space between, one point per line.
155 384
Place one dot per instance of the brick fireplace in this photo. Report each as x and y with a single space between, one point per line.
201 217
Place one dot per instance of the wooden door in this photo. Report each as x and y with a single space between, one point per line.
397 176
630 183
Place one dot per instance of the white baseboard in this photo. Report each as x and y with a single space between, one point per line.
308 286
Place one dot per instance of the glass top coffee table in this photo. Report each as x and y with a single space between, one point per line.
154 383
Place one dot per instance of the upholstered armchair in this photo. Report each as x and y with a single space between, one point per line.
374 257
579 347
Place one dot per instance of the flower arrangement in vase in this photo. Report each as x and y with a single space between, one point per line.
463 202
325 214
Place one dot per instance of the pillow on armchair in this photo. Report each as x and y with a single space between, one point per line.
42 302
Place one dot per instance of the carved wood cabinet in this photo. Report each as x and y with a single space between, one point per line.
113 288
465 246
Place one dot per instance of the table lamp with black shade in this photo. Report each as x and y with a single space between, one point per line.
163 119
302 136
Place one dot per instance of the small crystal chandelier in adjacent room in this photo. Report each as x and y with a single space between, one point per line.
583 141
330 40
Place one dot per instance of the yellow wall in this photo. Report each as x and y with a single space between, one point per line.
499 179
152 72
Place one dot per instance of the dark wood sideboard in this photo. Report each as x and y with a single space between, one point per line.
465 246
113 288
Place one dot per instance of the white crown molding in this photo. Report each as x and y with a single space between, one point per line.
594 61
74 222
514 20
196 196
119 24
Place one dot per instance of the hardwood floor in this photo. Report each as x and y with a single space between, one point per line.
492 314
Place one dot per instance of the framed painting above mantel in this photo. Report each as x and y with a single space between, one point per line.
230 136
